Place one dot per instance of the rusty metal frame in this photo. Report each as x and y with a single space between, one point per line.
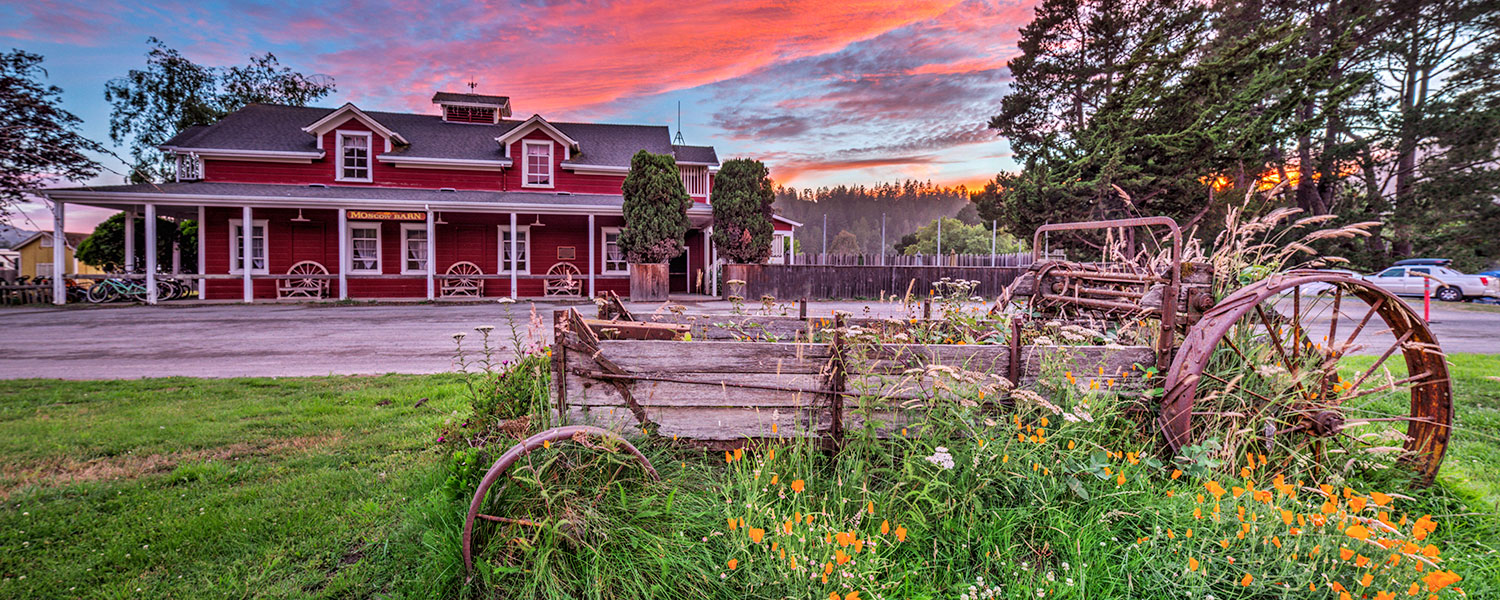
1166 341
1431 412
543 439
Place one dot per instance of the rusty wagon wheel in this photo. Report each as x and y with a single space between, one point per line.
580 434
1275 368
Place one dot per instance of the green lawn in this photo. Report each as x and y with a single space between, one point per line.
323 487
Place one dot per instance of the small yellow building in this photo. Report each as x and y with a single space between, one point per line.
36 256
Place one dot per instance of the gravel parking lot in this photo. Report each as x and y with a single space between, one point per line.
233 340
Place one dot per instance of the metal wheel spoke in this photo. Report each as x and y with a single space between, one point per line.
1388 351
1362 322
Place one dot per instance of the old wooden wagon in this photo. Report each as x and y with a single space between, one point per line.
1269 367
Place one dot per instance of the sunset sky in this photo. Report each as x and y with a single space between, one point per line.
824 92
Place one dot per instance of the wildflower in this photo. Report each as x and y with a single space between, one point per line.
1358 532
1215 489
1176 473
546 443
871 508
1245 581
1367 579
757 534
840 556
733 563
739 453
885 527
459 337
774 477
733 523
1071 444
798 486
900 533
1192 564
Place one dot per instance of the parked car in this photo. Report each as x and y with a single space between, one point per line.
1447 285
1417 262
1495 273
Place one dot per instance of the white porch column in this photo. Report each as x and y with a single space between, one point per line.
202 257
431 255
247 261
130 240
592 234
151 254
343 254
514 264
708 261
59 255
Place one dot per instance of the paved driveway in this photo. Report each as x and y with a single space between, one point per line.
230 340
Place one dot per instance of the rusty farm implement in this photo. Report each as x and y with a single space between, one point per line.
1297 365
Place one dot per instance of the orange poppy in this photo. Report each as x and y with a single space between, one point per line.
1245 581
798 486
757 534
733 563
1192 564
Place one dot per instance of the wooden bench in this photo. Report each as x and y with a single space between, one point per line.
463 279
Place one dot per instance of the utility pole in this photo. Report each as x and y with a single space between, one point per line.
940 240
825 234
992 242
882 239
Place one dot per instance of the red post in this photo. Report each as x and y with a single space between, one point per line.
1427 299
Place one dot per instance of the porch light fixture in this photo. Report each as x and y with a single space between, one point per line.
538 222
437 219
300 218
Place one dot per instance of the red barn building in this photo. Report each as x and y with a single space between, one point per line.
344 203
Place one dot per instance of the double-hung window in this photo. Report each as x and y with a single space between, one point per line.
354 156
257 246
364 248
522 257
414 248
614 258
538 155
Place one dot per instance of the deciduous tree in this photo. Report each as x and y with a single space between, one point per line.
39 140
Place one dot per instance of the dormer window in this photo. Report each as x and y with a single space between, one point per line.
538 163
354 156
469 114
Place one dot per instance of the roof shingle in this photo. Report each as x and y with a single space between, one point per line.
274 127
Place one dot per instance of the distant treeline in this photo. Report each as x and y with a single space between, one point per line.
906 205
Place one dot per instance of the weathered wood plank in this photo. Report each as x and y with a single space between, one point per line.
583 391
710 423
646 356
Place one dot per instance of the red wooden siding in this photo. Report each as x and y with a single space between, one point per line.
472 237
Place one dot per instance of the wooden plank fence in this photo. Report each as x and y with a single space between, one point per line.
1013 259
826 282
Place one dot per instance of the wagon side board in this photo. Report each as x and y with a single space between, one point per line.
728 390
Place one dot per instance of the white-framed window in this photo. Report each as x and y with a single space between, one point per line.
538 156
695 179
414 248
523 249
354 156
257 246
46 241
614 257
364 247
44 269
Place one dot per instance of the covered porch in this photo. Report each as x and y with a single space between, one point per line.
311 243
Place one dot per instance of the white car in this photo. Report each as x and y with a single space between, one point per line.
1446 285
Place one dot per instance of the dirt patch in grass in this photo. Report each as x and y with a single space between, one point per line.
130 466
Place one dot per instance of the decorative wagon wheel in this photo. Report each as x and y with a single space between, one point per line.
1272 369
464 274
579 434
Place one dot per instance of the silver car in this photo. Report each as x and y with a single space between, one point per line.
1446 285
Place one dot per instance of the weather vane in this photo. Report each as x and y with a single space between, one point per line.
472 85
